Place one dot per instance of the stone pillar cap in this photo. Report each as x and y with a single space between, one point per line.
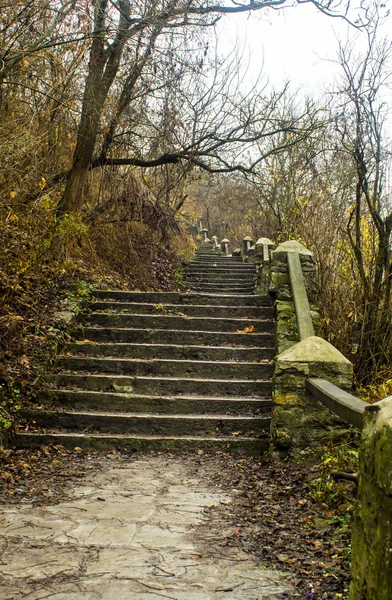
314 349
262 241
293 246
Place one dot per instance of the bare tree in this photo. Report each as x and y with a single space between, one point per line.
118 26
361 123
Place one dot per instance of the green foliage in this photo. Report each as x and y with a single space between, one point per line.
9 408
178 278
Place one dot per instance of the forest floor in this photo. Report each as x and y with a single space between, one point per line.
185 526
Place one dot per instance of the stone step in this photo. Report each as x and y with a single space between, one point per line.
219 258
214 289
221 279
219 284
140 321
183 298
215 259
147 424
218 287
166 367
174 336
190 310
243 445
81 399
172 351
210 255
222 270
167 386
219 276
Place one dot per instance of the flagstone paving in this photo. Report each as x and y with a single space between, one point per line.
129 531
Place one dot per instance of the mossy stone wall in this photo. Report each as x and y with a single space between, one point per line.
298 419
371 567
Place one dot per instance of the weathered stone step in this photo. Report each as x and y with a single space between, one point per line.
244 280
147 424
221 262
80 400
174 336
217 287
167 367
211 283
191 310
173 351
218 272
167 386
214 259
214 289
140 321
247 445
183 298
211 256
220 266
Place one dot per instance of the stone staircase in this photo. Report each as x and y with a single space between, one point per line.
165 371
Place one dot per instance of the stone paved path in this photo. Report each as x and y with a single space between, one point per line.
129 531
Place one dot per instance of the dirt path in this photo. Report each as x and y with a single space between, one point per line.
139 527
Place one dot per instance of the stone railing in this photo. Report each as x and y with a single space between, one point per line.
312 403
219 248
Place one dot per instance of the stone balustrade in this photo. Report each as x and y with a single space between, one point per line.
313 403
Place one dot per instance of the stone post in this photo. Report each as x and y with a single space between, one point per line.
204 234
193 230
299 420
225 246
215 244
371 565
246 244
262 259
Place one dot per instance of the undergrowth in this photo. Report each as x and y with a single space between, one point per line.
336 497
123 239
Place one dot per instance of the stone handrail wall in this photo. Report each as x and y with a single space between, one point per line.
311 379
300 296
341 403
312 403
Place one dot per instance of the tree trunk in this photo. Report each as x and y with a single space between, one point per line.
102 69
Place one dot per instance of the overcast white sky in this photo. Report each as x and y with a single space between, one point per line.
291 44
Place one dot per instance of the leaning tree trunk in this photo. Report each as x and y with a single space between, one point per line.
102 69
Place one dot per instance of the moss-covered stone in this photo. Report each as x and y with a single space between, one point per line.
372 531
286 325
302 417
298 418
278 279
